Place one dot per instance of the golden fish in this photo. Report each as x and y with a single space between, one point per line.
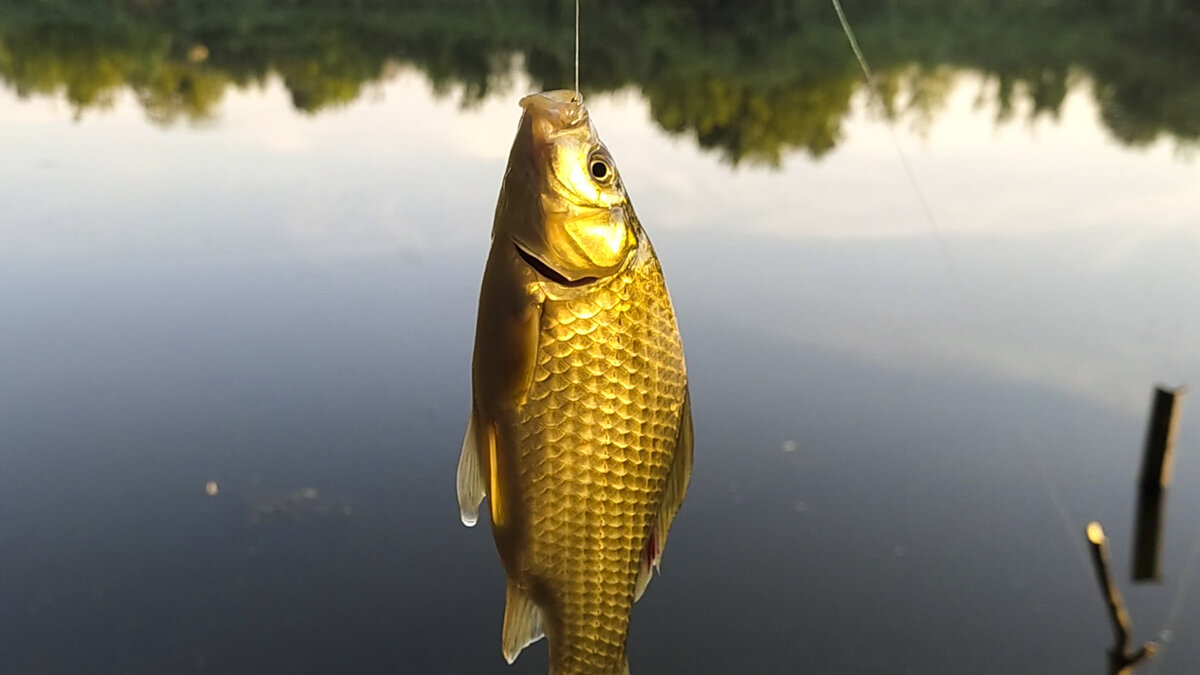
581 429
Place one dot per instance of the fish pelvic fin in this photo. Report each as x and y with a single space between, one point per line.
523 622
470 483
673 494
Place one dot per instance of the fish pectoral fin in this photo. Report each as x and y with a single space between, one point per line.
523 624
673 493
470 483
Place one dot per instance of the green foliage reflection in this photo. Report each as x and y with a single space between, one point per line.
752 80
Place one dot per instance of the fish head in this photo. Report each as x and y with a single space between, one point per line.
563 204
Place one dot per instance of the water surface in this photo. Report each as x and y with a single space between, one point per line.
905 414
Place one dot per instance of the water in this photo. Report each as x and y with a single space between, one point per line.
282 303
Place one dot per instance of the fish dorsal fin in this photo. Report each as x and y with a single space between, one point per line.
522 622
471 487
673 494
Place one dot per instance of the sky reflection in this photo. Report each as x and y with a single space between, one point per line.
979 178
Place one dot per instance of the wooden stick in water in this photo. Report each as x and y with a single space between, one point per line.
1158 456
1121 662
1159 453
1148 535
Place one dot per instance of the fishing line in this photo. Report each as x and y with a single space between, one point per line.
577 49
1064 514
1060 507
1176 610
908 171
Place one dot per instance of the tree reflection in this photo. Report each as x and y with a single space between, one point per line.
752 81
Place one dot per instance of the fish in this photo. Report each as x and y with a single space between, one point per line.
580 431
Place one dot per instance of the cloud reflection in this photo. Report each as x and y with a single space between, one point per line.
1104 238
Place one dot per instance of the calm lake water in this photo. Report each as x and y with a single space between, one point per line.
921 361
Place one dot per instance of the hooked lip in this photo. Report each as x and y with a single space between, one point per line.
560 110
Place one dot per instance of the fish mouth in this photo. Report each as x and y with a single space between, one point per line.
555 111
549 272
557 100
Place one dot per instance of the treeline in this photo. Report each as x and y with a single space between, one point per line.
753 79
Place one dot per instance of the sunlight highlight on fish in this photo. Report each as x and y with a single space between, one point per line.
580 431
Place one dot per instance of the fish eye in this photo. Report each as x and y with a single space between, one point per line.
601 169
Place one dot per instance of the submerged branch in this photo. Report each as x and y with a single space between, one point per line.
1121 660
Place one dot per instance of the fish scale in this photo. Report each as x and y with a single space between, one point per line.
598 433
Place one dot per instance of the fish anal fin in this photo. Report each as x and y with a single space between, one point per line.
523 623
673 494
647 565
470 483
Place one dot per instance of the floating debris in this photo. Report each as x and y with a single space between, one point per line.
211 488
264 504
